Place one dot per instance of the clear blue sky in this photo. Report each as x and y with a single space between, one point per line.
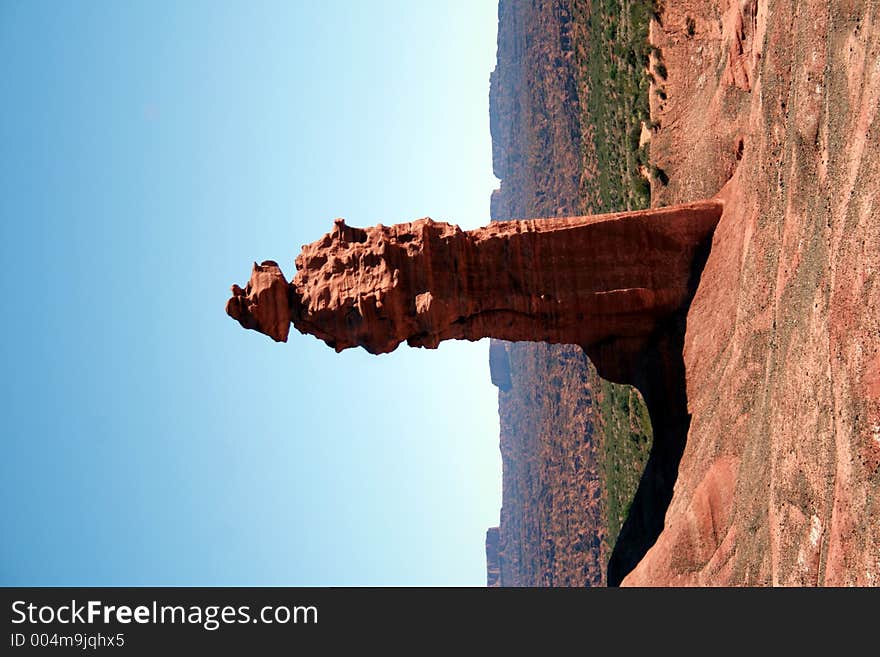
150 152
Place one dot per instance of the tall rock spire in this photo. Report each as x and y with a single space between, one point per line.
573 280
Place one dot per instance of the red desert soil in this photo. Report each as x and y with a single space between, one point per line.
780 478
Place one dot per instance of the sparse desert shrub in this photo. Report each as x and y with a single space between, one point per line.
642 188
660 67
659 6
659 174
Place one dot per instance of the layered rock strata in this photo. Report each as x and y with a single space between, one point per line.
573 280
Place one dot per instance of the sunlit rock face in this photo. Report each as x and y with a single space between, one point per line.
572 280
263 305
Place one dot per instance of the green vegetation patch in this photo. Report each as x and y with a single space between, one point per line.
628 440
613 60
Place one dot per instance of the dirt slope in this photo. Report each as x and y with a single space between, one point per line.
779 479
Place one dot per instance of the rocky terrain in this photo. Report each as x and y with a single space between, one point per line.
776 101
779 482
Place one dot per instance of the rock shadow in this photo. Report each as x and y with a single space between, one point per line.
656 368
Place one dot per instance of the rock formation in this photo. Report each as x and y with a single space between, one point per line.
779 483
499 366
493 561
264 303
618 285
572 280
779 476
769 428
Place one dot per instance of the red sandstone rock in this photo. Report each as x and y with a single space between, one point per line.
570 280
782 350
263 304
